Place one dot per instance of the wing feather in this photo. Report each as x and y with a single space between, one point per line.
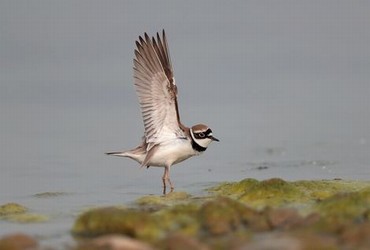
156 89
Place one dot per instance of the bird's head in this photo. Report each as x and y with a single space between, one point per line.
202 135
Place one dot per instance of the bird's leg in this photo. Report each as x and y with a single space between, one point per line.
166 178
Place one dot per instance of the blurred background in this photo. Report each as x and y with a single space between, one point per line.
284 85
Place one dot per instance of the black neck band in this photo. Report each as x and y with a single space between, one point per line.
196 146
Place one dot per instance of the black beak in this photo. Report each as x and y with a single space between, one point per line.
213 138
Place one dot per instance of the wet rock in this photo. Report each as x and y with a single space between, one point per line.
220 216
273 242
250 214
278 193
357 236
12 208
272 192
112 220
179 218
18 242
156 202
224 215
314 240
284 218
291 241
113 242
345 207
234 189
180 241
18 213
27 218
259 194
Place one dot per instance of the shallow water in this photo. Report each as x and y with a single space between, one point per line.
286 96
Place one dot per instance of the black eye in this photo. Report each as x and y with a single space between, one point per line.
201 135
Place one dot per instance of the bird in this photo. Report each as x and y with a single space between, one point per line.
166 140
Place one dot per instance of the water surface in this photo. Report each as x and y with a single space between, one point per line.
284 87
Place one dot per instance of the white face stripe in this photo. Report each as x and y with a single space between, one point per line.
204 142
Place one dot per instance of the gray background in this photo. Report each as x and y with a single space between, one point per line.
283 84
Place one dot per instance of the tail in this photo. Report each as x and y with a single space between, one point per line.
136 156
121 154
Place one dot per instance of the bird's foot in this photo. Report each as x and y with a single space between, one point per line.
165 186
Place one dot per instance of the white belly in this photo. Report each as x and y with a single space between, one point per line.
172 152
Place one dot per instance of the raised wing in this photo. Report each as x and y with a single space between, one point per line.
157 91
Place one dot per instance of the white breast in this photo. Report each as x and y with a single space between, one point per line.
172 152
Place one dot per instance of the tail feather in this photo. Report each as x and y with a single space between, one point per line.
138 154
122 154
130 154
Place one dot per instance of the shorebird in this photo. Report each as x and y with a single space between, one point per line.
166 140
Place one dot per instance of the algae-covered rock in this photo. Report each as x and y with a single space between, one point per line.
160 201
234 189
272 192
277 192
318 190
180 241
27 218
292 241
17 213
224 215
179 218
259 194
283 217
100 221
12 208
250 214
353 206
112 242
138 224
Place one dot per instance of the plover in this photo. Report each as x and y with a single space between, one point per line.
166 140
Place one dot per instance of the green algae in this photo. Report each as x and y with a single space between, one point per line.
273 192
17 213
164 200
27 218
178 218
322 189
101 221
224 215
242 214
354 206
11 209
277 192
140 224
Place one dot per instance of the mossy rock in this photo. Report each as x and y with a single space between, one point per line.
236 213
224 215
342 207
11 209
27 218
277 192
159 201
101 221
272 192
179 218
17 213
